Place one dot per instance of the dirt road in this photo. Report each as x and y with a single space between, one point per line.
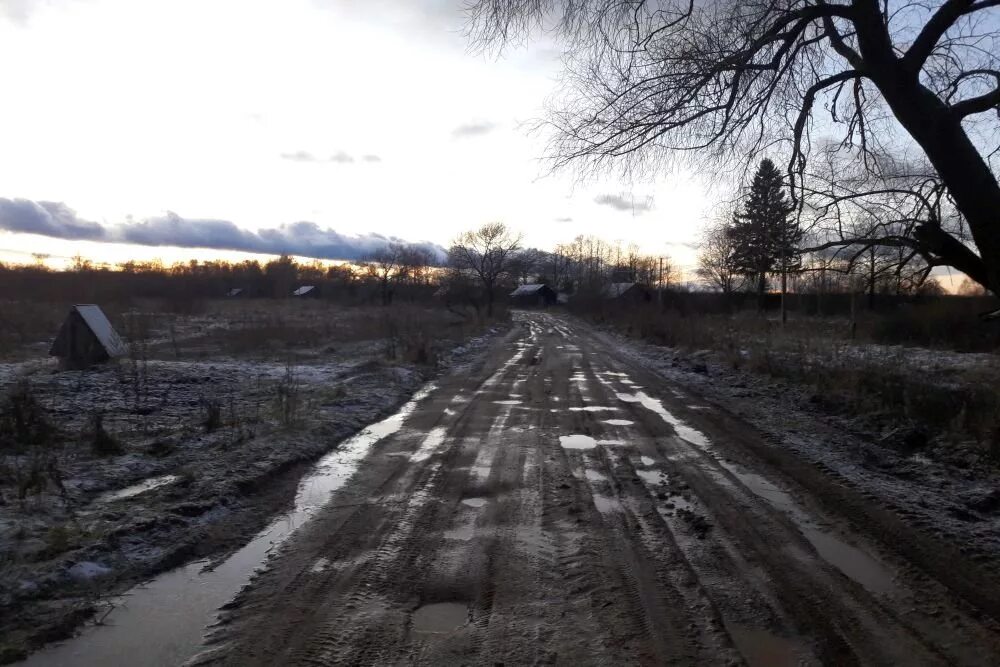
567 506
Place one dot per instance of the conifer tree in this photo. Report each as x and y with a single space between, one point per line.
765 236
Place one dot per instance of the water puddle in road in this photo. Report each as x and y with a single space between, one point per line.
606 504
474 502
681 503
508 402
440 618
619 422
430 445
654 477
594 476
577 441
761 648
647 461
164 619
850 560
593 408
134 490
463 532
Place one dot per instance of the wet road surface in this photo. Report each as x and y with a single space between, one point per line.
564 505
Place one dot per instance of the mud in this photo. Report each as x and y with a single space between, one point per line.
480 531
660 538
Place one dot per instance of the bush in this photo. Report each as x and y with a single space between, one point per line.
23 422
950 322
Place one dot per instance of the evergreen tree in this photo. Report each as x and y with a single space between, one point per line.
765 237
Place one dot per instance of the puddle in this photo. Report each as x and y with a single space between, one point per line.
593 408
647 461
430 445
508 402
474 502
463 532
612 442
681 503
651 476
594 476
577 441
440 618
164 619
850 560
134 490
761 648
606 504
619 422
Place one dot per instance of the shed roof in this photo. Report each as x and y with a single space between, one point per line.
305 289
527 290
98 323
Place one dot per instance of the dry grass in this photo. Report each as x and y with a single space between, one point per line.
952 396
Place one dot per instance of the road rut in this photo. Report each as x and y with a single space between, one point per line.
568 506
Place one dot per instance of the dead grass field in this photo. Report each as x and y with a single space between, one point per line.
173 451
934 397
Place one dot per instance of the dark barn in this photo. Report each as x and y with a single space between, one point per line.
627 293
533 296
86 338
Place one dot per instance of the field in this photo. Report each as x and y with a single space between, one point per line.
189 442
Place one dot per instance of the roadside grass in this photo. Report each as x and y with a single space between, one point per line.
945 396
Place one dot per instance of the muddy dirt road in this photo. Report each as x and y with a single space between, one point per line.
567 506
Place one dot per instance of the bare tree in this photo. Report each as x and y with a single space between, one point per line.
716 265
486 252
384 266
735 78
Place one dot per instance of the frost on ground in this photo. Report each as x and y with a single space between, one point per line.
937 481
185 447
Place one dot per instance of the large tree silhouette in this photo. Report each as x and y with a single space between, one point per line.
764 235
736 78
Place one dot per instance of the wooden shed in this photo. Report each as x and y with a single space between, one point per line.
533 296
86 338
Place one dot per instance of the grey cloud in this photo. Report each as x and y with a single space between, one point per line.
306 239
48 219
341 157
620 203
566 219
371 158
299 156
476 129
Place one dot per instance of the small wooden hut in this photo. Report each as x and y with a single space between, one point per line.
533 296
86 338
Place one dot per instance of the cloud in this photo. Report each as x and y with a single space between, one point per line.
620 203
306 239
299 156
47 218
341 157
566 219
475 129
371 158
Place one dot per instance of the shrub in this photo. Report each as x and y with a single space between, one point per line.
23 422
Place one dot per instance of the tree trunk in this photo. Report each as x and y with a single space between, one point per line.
761 288
939 132
784 293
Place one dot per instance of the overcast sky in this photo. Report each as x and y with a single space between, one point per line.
146 120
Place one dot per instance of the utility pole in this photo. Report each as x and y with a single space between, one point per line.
659 284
